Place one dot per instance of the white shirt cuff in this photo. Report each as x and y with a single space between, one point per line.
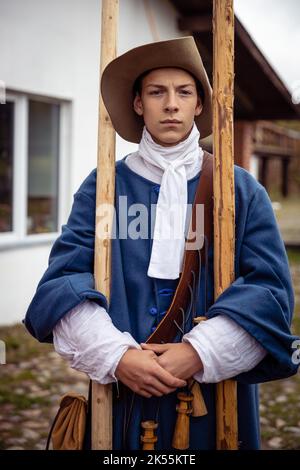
88 339
225 349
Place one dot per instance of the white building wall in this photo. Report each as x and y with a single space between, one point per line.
52 49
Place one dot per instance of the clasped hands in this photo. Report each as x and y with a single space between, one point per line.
158 369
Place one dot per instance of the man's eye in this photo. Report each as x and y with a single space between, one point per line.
155 92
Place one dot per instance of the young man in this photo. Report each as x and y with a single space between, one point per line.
158 95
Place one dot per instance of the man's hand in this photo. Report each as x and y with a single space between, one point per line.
142 373
179 359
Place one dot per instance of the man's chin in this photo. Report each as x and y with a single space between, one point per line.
169 138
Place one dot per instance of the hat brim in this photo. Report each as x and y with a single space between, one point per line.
120 75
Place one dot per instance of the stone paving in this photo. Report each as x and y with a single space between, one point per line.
30 390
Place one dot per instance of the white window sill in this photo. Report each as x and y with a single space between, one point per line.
11 241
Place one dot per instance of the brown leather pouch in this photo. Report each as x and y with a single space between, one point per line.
68 428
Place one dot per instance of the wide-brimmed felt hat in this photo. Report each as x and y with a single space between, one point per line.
120 74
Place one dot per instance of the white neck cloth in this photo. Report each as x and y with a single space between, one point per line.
176 164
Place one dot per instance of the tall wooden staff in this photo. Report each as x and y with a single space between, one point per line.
224 201
102 394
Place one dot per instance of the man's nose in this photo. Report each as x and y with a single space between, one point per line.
171 104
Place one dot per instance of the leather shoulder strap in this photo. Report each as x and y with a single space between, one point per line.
204 196
167 330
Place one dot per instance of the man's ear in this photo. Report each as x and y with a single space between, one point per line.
199 107
138 105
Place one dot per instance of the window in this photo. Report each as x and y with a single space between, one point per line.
6 167
43 156
32 168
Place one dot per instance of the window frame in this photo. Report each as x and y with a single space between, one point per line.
18 236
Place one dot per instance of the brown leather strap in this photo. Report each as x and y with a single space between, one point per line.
167 330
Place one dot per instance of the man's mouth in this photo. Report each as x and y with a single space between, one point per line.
171 121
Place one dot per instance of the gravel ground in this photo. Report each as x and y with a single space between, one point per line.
31 384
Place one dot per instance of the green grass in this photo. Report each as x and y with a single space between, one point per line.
21 402
293 256
20 345
9 383
296 325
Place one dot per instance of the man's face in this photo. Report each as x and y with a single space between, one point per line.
168 103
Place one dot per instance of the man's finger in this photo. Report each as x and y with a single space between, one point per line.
168 379
144 393
158 348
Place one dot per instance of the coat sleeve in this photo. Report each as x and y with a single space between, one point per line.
261 299
69 279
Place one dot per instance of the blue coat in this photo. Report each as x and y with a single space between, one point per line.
260 299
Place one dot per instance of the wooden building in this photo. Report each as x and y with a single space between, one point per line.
260 97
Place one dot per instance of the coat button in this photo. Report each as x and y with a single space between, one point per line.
153 311
153 328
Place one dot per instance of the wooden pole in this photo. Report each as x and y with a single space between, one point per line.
102 394
224 201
